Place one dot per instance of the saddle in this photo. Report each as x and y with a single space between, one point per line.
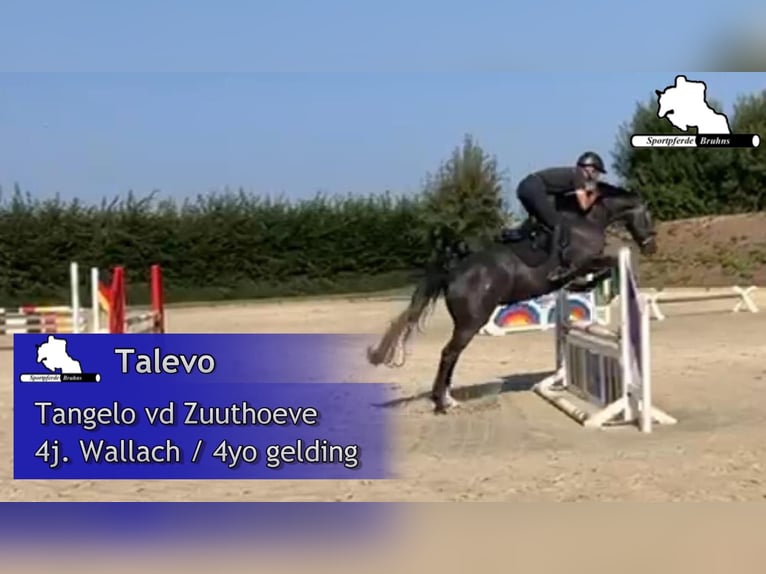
530 241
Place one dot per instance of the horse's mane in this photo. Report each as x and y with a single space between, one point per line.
613 202
607 190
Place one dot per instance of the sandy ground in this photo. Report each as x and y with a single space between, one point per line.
504 443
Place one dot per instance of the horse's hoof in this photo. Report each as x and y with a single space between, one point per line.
444 404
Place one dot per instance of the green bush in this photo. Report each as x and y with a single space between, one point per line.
220 246
234 245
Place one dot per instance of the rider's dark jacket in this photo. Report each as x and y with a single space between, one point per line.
562 179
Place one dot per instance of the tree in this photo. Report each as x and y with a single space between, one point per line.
750 164
463 202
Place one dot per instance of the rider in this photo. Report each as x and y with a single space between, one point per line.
536 193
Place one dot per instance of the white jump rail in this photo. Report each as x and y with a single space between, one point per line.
744 300
609 371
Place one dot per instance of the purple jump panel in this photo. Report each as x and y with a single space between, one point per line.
633 303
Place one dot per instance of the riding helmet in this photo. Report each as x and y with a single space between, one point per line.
591 158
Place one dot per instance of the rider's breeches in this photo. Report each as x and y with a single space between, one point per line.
533 196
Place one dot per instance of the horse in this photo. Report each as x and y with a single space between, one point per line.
508 272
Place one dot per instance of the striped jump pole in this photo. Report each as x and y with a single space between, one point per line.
72 318
48 318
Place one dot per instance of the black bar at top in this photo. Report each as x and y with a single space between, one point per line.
726 140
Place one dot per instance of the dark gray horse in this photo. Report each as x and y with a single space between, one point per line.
508 273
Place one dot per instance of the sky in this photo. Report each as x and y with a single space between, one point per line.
297 97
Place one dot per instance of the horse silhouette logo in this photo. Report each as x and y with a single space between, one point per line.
53 355
62 367
685 105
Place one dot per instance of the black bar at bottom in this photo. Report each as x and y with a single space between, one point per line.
81 378
729 140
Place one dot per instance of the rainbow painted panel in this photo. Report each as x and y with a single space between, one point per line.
525 314
580 309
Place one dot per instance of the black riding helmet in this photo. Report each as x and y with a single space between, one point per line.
591 158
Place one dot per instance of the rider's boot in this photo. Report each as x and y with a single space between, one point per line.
560 241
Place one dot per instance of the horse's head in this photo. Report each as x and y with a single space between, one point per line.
628 207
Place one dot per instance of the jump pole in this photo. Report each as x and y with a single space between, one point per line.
94 302
74 285
48 318
121 321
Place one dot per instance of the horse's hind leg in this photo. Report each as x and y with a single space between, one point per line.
470 312
440 393
471 300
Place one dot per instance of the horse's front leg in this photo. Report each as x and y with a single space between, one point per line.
602 262
581 285
600 267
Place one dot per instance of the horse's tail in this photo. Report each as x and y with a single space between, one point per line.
399 331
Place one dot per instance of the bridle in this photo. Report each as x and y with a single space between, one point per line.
628 217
